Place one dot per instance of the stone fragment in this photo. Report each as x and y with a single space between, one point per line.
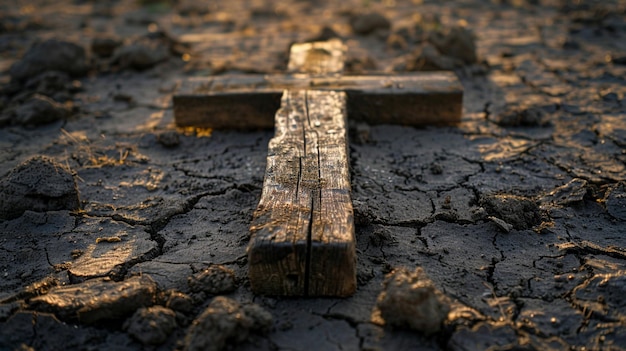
97 299
151 325
456 42
38 184
225 322
410 299
38 110
214 280
572 192
105 46
504 226
521 212
49 55
615 201
369 22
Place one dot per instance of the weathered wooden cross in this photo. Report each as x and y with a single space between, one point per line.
303 239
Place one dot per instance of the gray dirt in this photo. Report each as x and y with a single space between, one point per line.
516 215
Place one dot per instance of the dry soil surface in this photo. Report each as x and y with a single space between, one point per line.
120 232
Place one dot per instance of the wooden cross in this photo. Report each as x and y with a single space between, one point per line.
302 239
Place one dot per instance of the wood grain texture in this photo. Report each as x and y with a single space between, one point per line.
302 233
250 101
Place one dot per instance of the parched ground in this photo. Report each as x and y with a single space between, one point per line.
517 214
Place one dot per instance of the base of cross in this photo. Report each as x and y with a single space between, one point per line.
302 235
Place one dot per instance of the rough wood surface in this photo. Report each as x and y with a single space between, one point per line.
302 233
250 101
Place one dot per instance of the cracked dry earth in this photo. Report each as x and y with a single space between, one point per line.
516 217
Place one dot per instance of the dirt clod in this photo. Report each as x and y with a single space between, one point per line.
521 212
38 184
141 54
214 280
169 139
410 299
97 299
53 54
179 302
515 116
456 42
226 322
54 84
151 325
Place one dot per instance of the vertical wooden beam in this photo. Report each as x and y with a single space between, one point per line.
302 232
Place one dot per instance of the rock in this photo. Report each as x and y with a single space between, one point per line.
38 184
38 110
105 46
456 42
97 299
521 212
410 299
225 322
214 280
615 201
572 192
141 54
53 54
169 139
151 325
368 23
